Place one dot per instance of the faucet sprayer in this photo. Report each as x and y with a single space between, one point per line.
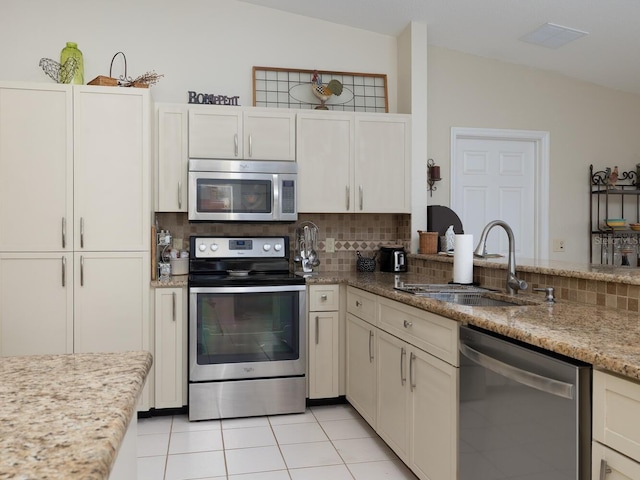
513 283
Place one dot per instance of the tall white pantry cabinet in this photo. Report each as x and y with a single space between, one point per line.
74 218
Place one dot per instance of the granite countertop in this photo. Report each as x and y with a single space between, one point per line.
64 416
605 337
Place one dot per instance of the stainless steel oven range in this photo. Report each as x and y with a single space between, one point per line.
247 334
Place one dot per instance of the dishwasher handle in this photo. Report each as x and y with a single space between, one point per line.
533 380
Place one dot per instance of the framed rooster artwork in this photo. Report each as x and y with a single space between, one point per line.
319 89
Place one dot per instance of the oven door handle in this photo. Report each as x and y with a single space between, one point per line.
533 380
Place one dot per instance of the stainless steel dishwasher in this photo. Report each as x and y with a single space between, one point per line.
525 413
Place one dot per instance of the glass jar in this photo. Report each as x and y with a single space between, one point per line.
71 50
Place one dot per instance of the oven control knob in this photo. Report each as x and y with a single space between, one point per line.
266 247
214 247
277 247
202 247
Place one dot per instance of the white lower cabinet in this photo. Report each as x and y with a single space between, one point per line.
362 361
323 335
170 362
607 464
415 391
616 427
36 303
393 397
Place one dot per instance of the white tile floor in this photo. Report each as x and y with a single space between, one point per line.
328 442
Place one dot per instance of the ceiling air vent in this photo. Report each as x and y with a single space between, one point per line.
551 35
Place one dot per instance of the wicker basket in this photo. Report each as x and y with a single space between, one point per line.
428 242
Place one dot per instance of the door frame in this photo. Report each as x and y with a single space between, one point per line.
540 139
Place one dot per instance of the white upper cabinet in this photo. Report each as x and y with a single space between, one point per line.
383 163
325 162
239 133
172 162
111 168
353 163
36 167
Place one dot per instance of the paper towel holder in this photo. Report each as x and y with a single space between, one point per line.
433 175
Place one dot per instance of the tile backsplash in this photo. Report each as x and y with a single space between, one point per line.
352 232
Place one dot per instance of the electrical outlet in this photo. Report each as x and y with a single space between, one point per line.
559 245
330 245
177 243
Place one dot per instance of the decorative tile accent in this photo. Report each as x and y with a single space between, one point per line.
352 232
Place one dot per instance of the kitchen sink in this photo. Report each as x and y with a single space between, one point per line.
462 295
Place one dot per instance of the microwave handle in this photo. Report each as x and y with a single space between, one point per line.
250 146
235 144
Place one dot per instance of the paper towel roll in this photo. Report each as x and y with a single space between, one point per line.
463 259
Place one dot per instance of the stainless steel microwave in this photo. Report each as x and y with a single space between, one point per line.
242 191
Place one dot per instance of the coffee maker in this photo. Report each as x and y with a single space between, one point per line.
393 258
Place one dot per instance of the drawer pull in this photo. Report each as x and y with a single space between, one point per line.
604 469
323 298
412 377
408 324
358 303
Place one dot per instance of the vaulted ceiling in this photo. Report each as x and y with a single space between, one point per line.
609 55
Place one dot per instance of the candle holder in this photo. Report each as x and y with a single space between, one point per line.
433 175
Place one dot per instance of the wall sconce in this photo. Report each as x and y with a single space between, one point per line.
433 175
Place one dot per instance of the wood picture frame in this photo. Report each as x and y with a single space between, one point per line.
291 88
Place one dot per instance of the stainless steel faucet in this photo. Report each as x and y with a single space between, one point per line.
513 283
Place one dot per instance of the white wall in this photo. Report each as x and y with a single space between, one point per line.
208 46
588 124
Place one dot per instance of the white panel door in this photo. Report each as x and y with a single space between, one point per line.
495 180
325 153
111 169
36 303
36 167
111 302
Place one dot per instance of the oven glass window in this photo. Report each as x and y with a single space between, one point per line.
247 327
237 196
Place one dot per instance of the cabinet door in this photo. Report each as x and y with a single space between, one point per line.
36 303
269 135
173 158
215 132
616 413
433 419
382 164
111 203
325 162
323 354
36 168
361 368
393 401
111 302
170 316
610 465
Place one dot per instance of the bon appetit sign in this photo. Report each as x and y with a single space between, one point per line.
212 99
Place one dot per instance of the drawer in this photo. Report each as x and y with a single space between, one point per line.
616 413
609 464
361 304
324 298
429 332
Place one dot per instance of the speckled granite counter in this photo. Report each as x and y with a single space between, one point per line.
64 416
606 337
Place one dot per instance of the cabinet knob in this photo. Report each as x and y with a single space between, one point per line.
323 298
358 304
408 324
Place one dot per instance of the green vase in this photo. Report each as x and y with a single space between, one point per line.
66 76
